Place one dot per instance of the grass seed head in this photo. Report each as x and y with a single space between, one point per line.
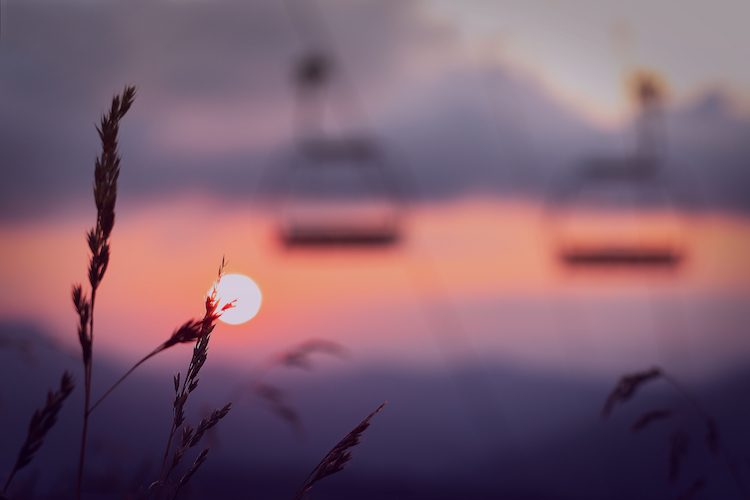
648 418
626 387
336 459
43 420
679 443
696 486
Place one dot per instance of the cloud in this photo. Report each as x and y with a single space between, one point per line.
215 107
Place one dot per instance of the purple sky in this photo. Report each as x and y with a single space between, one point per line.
215 104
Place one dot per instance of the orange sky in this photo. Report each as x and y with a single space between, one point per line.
476 257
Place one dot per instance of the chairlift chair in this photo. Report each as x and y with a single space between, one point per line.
339 190
620 211
339 194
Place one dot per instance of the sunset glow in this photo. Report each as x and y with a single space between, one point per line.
482 254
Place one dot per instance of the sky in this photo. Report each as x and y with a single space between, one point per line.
485 113
216 105
584 48
474 106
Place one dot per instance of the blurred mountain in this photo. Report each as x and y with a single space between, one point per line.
536 435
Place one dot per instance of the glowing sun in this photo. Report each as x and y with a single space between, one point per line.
245 292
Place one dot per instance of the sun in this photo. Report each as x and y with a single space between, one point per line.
246 293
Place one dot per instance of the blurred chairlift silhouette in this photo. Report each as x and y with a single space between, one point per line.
619 211
338 189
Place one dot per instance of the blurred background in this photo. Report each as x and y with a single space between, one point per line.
484 212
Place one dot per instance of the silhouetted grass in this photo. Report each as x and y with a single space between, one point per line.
338 458
679 440
41 423
299 356
197 331
106 175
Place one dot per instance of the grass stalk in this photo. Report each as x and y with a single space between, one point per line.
106 174
715 441
627 387
121 379
336 459
41 422
200 332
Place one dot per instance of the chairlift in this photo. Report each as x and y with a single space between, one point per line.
339 194
620 211
338 189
